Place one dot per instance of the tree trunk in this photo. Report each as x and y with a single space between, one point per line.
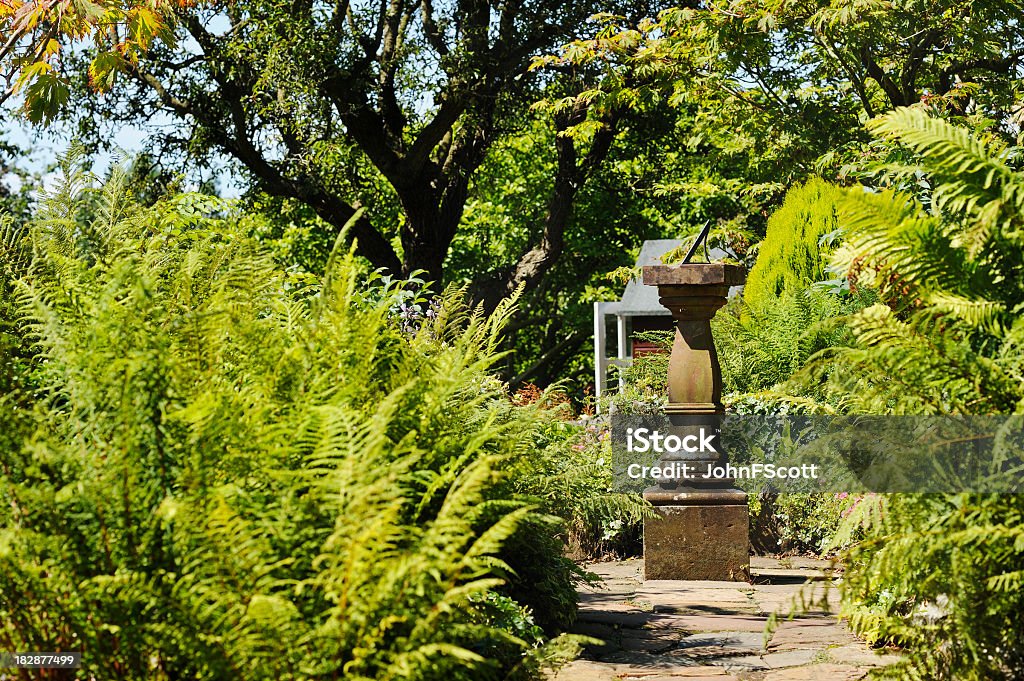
422 254
434 205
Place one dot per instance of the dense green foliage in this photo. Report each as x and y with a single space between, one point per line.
214 467
391 107
797 523
947 337
798 238
231 449
743 102
940 574
788 84
621 206
421 113
760 348
944 576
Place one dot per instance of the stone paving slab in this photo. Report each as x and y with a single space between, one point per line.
781 599
722 644
619 617
694 607
741 663
602 600
818 672
618 569
716 622
794 570
790 658
669 585
792 562
584 670
815 633
697 597
715 631
787 574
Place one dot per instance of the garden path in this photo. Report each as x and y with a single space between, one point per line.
718 631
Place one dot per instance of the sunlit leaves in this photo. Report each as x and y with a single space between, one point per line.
103 70
47 93
38 33
257 473
947 269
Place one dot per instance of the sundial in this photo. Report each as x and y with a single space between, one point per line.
700 531
702 238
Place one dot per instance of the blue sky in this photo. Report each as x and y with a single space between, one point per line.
45 144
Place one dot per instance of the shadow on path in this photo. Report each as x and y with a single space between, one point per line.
718 631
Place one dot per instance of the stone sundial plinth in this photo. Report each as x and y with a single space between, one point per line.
701 528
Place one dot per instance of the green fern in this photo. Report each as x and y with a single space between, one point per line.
217 468
938 574
946 274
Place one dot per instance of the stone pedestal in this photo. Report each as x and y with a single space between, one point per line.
701 530
698 537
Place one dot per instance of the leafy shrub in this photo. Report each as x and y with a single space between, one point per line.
799 236
219 468
578 481
797 523
761 348
645 380
765 337
947 336
942 575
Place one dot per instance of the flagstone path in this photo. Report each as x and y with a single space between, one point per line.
718 631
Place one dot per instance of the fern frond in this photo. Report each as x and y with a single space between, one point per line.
971 179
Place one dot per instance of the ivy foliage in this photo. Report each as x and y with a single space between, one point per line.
214 467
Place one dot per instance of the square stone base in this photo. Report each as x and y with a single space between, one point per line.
697 542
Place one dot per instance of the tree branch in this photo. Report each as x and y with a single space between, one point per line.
851 73
431 30
876 72
559 351
370 243
570 176
366 127
395 25
985 64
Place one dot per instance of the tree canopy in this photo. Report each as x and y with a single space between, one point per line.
794 81
373 104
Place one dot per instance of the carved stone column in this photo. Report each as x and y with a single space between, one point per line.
701 528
